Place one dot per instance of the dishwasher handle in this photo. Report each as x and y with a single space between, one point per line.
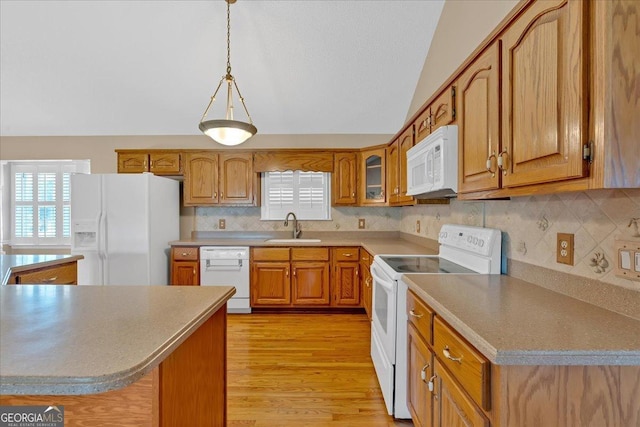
223 264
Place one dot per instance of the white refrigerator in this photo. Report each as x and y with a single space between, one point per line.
122 224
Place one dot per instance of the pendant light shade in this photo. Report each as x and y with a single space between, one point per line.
228 131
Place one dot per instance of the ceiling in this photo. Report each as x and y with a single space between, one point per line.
149 67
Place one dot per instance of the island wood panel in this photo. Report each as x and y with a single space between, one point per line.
544 94
193 379
136 405
570 396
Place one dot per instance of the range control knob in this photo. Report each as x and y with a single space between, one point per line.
481 243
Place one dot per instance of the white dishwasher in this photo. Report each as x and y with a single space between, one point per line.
229 266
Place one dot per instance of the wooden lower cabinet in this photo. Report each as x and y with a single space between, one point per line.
62 274
420 372
366 281
270 284
453 407
310 284
346 277
468 391
185 270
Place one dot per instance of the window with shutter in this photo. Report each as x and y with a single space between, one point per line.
307 194
40 195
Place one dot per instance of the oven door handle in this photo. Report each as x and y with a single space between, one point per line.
386 284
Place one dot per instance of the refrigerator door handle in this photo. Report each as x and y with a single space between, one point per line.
102 247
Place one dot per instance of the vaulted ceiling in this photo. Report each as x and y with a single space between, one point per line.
114 67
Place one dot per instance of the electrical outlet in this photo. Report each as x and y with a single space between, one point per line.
418 226
222 224
361 223
565 248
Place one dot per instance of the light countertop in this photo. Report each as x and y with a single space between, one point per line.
90 339
513 322
16 263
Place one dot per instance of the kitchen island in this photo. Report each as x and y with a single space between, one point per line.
116 355
39 268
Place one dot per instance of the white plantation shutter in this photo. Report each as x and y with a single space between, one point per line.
41 197
307 194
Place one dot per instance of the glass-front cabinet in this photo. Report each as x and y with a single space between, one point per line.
372 177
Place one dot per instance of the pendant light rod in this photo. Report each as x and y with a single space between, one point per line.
228 131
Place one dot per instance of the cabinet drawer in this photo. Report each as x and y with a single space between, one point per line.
183 253
420 316
365 257
270 254
346 254
466 364
58 275
309 254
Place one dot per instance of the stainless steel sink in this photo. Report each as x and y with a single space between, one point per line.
293 240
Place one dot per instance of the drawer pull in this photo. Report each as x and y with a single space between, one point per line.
347 255
50 280
184 254
447 354
423 372
413 314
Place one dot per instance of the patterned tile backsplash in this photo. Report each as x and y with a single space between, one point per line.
530 225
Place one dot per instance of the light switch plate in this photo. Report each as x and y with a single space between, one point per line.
361 223
627 253
222 224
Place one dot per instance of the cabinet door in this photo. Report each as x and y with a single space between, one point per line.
344 179
366 281
393 172
452 407
270 284
544 95
479 123
372 177
443 109
236 178
201 179
346 284
185 273
310 285
405 142
165 163
133 162
420 372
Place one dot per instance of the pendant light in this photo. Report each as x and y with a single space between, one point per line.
228 131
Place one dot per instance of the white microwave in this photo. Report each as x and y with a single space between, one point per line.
432 165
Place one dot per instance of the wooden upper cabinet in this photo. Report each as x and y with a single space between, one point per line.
397 169
479 123
344 185
373 177
212 179
201 179
165 163
236 178
160 163
441 112
544 94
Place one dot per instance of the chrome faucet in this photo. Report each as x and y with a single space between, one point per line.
296 227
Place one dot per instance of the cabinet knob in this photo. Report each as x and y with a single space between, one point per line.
194 271
50 279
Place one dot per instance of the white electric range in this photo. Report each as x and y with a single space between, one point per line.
463 250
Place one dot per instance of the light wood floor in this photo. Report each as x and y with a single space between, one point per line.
303 370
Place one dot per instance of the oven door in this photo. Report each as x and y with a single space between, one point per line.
384 310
